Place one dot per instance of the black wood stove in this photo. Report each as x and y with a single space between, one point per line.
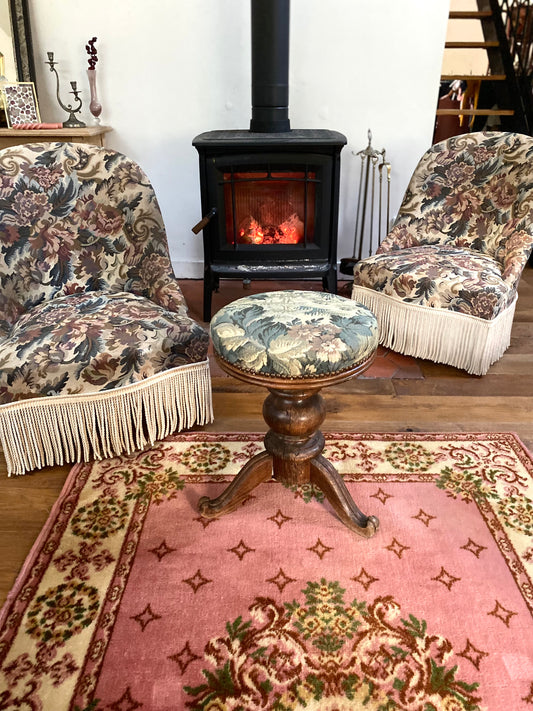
270 195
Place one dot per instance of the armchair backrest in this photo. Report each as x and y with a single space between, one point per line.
471 191
75 218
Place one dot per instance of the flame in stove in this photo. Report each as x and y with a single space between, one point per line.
290 231
251 232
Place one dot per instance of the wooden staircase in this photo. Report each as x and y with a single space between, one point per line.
477 54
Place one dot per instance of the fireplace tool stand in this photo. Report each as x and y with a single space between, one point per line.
370 158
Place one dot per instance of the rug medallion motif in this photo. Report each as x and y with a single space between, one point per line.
130 600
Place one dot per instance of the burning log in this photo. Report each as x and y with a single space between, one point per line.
290 231
251 231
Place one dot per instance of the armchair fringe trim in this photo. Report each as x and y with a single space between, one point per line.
450 337
58 430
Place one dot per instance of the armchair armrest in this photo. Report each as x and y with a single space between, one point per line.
400 237
518 244
167 294
155 280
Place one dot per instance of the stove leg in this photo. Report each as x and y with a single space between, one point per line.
329 281
211 282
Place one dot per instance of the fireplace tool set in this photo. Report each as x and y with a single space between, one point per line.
372 161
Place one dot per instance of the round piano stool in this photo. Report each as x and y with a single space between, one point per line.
294 343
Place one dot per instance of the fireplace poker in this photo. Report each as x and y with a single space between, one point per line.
371 238
382 165
380 169
389 168
358 206
366 157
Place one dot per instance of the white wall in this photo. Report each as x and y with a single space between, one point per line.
171 69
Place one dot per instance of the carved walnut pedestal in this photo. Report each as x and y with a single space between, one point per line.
294 409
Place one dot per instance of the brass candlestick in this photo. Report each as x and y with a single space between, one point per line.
72 121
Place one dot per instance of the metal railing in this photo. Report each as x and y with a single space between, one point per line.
516 30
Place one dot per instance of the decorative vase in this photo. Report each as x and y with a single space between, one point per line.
95 107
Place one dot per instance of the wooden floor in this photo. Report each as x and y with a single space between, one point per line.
443 399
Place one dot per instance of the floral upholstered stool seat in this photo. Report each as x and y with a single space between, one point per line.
294 343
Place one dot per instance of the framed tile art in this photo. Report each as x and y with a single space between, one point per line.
20 101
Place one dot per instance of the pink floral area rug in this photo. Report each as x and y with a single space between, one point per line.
130 600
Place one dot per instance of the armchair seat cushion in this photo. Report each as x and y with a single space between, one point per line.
94 341
439 276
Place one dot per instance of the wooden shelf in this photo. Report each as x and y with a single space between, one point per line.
475 112
93 135
473 77
472 45
469 14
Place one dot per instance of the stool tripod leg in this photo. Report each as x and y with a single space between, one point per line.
327 478
255 472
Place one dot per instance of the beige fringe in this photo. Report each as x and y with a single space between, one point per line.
467 342
72 428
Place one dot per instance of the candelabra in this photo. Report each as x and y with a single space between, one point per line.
72 121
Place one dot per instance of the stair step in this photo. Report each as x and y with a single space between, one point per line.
469 14
473 77
475 112
472 45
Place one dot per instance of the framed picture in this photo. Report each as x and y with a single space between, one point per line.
20 101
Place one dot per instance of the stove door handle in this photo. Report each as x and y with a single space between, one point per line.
203 222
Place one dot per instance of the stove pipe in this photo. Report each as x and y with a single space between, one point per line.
270 66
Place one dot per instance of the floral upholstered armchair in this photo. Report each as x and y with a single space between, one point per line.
443 284
97 353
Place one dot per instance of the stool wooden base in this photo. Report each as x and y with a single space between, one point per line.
294 411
